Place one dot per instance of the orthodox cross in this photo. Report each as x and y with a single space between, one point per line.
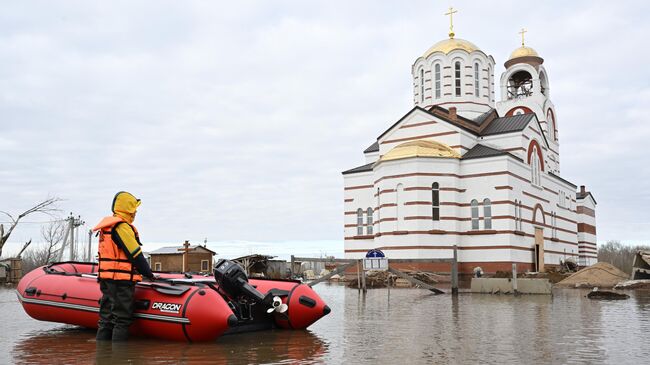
186 250
522 32
451 13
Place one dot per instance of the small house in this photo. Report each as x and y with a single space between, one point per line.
184 258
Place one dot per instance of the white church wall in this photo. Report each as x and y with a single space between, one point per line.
420 125
470 104
371 157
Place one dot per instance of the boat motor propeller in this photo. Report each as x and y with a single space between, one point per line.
277 306
232 279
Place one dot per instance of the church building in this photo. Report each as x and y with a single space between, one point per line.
462 169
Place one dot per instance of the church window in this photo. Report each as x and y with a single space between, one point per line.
369 221
422 85
517 215
359 222
554 222
437 76
521 220
378 209
535 168
399 210
551 124
487 214
474 214
435 201
457 77
476 80
489 83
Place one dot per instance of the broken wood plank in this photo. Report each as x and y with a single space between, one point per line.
415 281
328 276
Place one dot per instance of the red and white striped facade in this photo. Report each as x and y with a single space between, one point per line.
399 192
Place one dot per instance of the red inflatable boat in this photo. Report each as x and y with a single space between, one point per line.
179 307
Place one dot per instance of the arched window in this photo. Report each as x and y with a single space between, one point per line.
399 210
474 214
489 83
369 221
535 168
551 124
422 85
457 77
554 223
516 215
476 80
435 201
359 222
378 209
487 214
437 76
520 84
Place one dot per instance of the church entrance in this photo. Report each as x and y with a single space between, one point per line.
538 258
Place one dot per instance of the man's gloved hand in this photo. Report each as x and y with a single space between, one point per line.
152 278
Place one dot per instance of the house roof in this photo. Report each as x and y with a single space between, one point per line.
563 180
581 195
480 151
515 123
363 168
174 250
372 148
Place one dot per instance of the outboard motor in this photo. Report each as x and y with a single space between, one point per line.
232 279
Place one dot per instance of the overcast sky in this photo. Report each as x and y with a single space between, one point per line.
233 120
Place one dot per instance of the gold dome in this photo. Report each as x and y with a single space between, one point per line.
420 148
523 51
448 45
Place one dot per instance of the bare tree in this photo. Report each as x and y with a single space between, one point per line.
52 235
47 206
618 254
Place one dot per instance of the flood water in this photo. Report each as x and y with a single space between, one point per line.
400 326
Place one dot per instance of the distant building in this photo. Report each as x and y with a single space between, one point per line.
462 169
170 259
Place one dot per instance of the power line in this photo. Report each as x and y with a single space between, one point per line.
43 222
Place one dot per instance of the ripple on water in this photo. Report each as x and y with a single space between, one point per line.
398 326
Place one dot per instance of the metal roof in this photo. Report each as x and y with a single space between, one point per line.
483 117
364 168
480 151
174 250
513 123
373 147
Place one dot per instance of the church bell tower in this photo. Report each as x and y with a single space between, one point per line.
525 89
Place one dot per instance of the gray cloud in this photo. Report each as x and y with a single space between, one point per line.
232 121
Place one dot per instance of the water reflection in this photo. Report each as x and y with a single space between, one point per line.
400 326
72 345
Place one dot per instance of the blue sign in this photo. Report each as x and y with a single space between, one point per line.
375 253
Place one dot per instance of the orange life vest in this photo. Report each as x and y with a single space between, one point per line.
113 262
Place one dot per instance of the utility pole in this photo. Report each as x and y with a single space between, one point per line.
69 238
89 254
74 225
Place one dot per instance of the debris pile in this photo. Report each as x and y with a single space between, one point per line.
641 265
552 275
606 295
633 284
600 274
382 279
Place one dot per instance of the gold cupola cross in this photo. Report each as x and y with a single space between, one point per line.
522 32
451 13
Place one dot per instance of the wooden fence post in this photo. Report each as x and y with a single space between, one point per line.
454 272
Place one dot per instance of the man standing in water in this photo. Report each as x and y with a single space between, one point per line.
121 266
